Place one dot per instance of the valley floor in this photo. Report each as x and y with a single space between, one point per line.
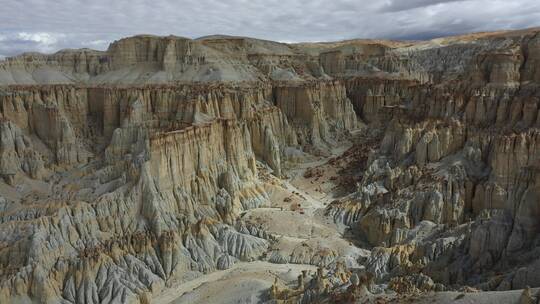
296 217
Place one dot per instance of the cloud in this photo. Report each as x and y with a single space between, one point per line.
397 6
77 23
41 38
97 44
41 41
18 42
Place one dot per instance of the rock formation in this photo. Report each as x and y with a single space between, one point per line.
127 171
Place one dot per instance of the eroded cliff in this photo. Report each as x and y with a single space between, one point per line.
129 171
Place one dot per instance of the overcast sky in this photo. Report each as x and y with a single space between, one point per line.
47 26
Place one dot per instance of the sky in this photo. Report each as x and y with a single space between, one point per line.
50 25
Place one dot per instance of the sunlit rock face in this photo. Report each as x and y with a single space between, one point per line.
125 170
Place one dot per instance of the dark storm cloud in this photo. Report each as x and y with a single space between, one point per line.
46 26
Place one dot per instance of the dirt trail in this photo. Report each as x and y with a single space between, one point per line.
244 269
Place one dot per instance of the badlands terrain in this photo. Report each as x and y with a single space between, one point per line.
235 170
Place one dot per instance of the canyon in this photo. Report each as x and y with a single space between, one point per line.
236 170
